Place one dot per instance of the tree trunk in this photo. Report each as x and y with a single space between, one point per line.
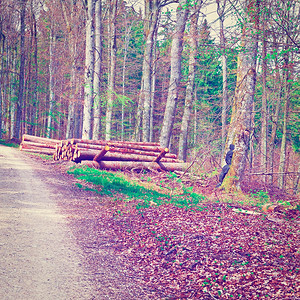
152 12
126 45
282 161
220 11
264 121
112 67
89 71
51 80
183 138
98 71
22 69
241 124
176 50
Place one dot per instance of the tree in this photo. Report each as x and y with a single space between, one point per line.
176 51
111 66
22 69
98 70
221 14
189 97
241 124
89 71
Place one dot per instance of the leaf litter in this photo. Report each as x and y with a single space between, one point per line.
212 250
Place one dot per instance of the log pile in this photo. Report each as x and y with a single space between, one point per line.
102 154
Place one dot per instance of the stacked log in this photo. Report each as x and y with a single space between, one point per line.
106 154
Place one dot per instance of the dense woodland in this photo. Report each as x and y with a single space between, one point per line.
194 76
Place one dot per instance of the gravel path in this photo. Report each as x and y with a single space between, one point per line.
38 257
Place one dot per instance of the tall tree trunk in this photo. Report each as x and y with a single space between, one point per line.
126 45
241 124
275 116
264 121
176 51
89 72
2 45
71 27
34 79
220 11
51 80
282 161
183 138
112 67
22 69
98 71
152 12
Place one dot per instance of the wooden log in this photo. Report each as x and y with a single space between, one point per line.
37 139
161 155
112 156
101 154
28 145
109 143
113 148
129 165
40 151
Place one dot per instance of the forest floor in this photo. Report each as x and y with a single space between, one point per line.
222 248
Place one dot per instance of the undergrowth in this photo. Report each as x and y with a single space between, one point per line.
8 143
112 183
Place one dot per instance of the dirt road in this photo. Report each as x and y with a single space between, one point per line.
39 258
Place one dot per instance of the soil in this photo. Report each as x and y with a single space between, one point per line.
58 241
40 256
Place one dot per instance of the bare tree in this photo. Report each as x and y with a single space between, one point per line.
189 97
241 124
176 51
89 71
112 66
98 70
22 69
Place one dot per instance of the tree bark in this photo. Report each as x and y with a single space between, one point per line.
136 165
220 11
22 69
264 121
176 50
98 71
89 71
282 161
112 67
51 79
241 124
189 97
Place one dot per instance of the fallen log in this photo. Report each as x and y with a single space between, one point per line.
161 155
137 165
112 156
101 154
113 148
92 144
101 142
37 139
28 145
40 151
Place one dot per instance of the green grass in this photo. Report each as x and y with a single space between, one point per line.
8 143
109 183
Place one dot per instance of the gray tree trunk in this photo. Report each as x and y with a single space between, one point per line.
152 12
112 67
22 70
89 72
98 71
220 11
241 124
51 80
183 138
282 160
176 50
264 121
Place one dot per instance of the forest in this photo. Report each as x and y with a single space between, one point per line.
195 76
